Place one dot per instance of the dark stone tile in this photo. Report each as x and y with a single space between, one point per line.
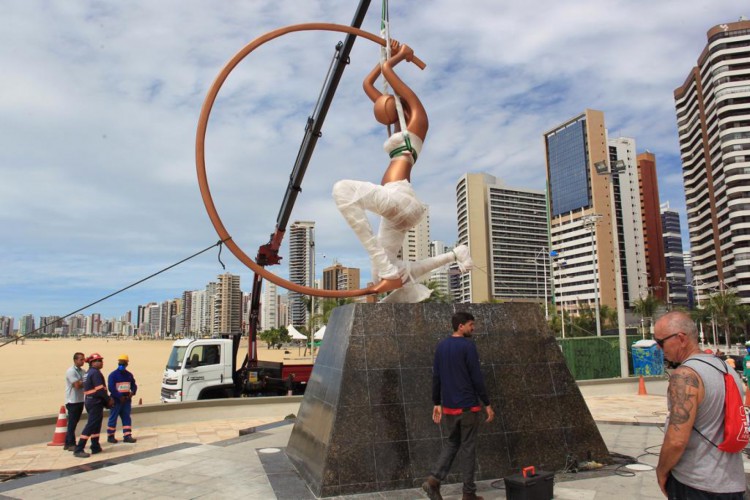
356 464
379 321
392 459
510 381
355 355
523 449
515 414
546 413
419 424
354 424
553 450
584 442
493 458
562 380
389 423
381 352
416 385
424 454
416 351
384 386
354 390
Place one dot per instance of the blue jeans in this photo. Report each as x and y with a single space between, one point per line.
120 409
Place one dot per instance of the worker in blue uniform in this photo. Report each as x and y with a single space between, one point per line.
122 388
96 399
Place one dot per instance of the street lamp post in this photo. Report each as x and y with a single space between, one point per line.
589 222
560 265
603 168
547 256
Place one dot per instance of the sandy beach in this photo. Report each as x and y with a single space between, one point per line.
32 374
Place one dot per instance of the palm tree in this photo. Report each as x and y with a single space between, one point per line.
608 316
437 294
724 307
646 308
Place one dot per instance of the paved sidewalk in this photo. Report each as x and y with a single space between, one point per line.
202 460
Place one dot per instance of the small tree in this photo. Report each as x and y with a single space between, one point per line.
646 308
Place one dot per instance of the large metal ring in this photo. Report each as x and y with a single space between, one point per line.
200 159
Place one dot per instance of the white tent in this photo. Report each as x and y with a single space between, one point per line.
295 334
320 333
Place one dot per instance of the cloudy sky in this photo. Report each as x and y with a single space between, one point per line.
99 103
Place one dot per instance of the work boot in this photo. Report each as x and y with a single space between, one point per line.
129 439
112 439
81 454
471 496
69 447
95 446
432 488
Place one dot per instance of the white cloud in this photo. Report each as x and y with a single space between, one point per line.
100 102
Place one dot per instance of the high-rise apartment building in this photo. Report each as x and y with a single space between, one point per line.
6 326
301 268
198 306
269 307
713 120
505 228
187 313
628 203
652 228
416 244
675 284
440 276
582 205
227 305
338 277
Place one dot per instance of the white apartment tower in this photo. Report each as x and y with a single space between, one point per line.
440 275
713 125
228 305
417 241
301 268
269 307
506 229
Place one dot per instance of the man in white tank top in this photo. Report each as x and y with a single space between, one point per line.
690 466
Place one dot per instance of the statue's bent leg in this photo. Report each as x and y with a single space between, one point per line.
353 199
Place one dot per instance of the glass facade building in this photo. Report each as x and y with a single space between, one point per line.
568 168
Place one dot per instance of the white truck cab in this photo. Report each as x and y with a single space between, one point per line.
198 369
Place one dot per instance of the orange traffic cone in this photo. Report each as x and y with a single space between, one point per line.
642 387
58 439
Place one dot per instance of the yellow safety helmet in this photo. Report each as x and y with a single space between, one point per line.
123 357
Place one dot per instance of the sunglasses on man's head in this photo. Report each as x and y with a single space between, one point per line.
660 342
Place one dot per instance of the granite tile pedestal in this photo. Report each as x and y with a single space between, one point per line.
365 423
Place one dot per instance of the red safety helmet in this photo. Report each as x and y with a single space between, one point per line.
94 357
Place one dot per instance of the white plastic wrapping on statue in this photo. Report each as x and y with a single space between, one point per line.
399 208
398 140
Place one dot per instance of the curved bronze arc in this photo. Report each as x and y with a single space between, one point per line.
200 157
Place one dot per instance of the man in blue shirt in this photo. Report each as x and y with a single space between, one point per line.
457 389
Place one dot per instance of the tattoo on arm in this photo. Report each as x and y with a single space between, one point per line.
683 389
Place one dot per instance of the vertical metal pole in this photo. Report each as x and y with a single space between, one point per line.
546 284
624 372
592 228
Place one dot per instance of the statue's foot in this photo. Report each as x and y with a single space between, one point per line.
463 258
387 285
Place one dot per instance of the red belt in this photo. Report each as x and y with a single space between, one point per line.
458 411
